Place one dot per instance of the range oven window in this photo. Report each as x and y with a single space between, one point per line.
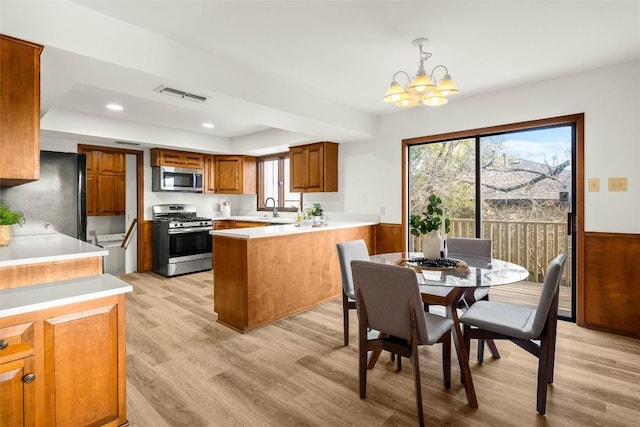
183 244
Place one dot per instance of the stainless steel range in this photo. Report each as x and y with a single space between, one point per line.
181 240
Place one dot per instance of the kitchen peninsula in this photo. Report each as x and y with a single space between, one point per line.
262 274
62 334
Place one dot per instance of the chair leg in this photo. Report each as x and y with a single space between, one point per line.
544 370
345 318
446 361
480 350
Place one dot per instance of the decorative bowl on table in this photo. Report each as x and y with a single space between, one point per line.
446 265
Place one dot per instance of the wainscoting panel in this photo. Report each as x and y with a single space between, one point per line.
612 282
388 238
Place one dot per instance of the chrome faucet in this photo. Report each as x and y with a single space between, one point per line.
275 208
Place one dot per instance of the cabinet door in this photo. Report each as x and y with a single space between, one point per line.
315 168
17 394
224 224
93 159
297 169
20 106
170 158
110 162
227 171
120 196
209 174
92 195
192 160
107 185
84 366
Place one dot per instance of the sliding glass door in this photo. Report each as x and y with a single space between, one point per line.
513 187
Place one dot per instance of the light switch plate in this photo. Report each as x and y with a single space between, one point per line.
618 184
594 184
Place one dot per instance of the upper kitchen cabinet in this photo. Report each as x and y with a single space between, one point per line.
314 167
209 173
179 159
234 175
20 106
106 181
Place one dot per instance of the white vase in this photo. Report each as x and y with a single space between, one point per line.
431 245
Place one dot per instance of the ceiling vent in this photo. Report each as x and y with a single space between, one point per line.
126 143
181 94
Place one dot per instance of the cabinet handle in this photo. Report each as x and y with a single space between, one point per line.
29 378
4 344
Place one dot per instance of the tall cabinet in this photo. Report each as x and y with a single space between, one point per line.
106 182
20 106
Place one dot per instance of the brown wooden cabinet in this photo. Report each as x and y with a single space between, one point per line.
106 181
209 174
180 159
225 224
314 167
20 106
65 366
111 163
17 367
234 175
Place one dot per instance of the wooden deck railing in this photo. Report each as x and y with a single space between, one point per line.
531 244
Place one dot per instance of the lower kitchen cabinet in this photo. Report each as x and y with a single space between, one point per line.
17 394
77 362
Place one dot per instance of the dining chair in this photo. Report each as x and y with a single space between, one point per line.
534 330
347 252
388 300
480 249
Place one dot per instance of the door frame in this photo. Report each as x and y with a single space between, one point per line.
139 190
578 207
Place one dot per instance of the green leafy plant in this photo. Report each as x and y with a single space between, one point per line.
316 210
9 217
430 220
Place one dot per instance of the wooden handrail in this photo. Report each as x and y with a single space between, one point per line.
125 241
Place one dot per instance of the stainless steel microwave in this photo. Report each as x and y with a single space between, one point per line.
167 178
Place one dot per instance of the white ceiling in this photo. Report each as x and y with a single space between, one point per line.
279 73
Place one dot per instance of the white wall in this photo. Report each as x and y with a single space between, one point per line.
206 204
370 171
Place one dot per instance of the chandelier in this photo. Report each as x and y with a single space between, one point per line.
423 88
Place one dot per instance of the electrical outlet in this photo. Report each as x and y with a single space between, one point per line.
618 184
383 211
594 184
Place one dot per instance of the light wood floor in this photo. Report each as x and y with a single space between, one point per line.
184 369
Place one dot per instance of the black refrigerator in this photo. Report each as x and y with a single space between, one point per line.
57 202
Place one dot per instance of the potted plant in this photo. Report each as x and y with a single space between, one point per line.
7 219
430 223
316 213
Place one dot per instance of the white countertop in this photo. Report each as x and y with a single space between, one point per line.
39 248
48 295
282 230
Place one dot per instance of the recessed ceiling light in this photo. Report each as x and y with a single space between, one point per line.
208 125
115 107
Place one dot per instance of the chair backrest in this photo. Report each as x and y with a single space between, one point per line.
347 252
386 291
477 248
469 246
549 291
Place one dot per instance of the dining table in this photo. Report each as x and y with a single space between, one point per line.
458 279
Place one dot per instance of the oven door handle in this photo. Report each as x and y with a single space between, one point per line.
186 230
